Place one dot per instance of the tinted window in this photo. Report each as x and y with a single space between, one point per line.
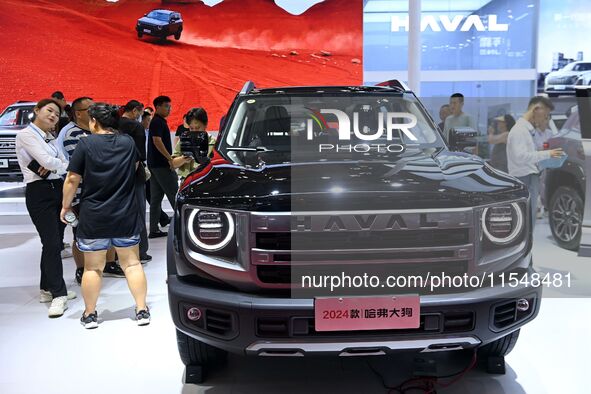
159 15
582 67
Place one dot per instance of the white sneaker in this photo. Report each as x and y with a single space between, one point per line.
45 296
58 306
66 253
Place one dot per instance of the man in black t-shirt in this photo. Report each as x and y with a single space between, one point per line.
164 179
128 124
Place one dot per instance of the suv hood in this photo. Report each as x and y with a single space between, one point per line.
448 180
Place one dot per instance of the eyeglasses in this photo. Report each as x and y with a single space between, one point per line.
83 109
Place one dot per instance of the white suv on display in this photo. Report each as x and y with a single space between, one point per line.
563 81
14 118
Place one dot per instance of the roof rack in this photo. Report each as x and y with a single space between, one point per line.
394 83
247 88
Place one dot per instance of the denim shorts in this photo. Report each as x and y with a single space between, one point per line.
96 245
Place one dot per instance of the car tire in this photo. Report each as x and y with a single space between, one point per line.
195 353
499 348
566 217
177 36
140 34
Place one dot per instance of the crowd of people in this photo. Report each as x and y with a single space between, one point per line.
94 166
517 146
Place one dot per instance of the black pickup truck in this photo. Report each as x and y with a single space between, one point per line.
348 180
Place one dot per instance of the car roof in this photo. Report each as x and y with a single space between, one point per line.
325 89
163 11
22 103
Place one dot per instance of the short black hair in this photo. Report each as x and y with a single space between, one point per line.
77 102
106 115
196 114
541 100
443 106
458 95
158 101
57 95
131 105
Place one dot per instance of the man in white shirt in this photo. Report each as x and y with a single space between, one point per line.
522 155
457 118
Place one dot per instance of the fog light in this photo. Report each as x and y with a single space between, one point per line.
194 314
522 305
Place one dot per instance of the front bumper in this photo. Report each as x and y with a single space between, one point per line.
250 324
560 89
153 31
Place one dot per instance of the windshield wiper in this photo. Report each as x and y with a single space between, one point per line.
247 149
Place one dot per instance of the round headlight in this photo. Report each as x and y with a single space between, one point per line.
502 224
210 231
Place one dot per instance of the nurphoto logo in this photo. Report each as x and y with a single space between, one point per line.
401 121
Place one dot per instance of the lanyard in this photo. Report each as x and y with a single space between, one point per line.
39 133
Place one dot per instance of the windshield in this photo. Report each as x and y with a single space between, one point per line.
16 116
161 16
361 126
582 67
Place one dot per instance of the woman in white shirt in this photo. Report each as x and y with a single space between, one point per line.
42 163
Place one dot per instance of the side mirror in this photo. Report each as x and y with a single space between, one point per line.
463 139
195 145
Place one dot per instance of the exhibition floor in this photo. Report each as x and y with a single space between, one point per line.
38 354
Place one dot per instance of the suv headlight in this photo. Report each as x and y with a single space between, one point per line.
502 224
210 231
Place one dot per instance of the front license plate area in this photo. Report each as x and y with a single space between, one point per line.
366 313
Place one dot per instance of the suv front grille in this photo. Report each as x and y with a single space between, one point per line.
283 273
8 147
363 239
393 242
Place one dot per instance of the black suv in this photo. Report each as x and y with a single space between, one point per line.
564 187
351 179
161 24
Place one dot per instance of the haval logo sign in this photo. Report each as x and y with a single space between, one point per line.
446 23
